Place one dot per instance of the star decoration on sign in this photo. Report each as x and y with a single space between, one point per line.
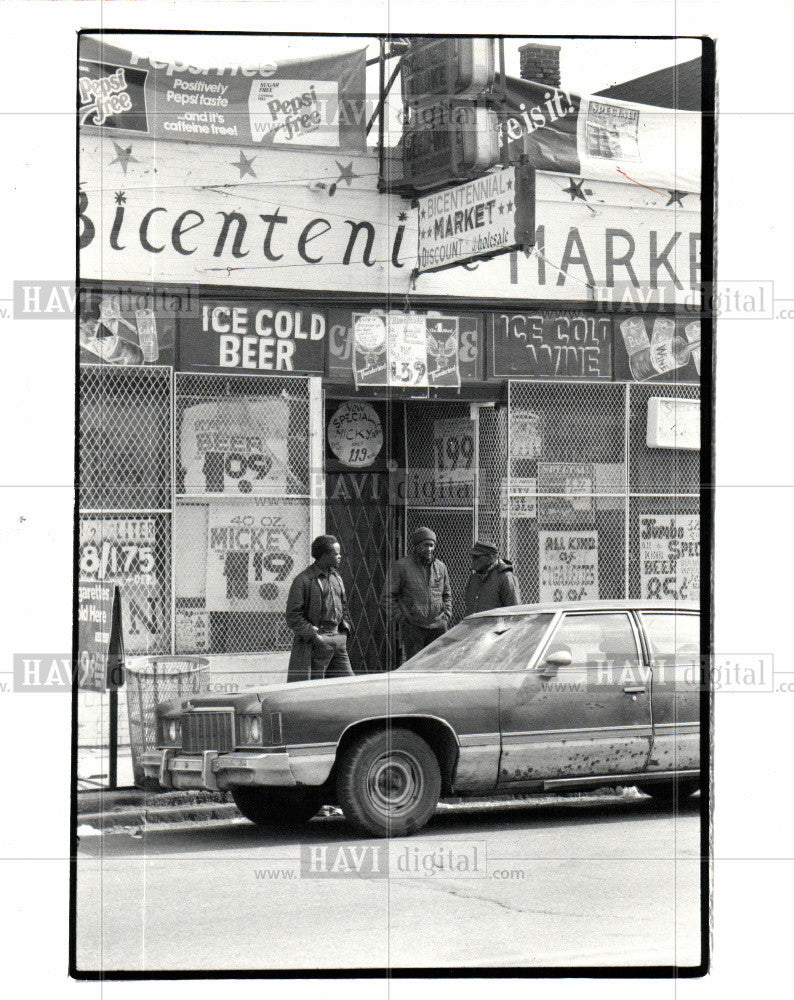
509 183
510 206
501 209
422 214
121 198
574 189
675 198
345 173
244 165
123 156
402 217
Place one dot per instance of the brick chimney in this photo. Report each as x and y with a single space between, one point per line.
540 63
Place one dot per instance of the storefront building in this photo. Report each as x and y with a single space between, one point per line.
259 366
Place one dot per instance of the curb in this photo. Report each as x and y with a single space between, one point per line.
199 812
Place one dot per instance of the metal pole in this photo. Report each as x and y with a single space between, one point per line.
114 740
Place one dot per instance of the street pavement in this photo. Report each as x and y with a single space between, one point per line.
588 881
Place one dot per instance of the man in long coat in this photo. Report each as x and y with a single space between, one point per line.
492 583
317 614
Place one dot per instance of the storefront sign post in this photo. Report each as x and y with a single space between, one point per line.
100 654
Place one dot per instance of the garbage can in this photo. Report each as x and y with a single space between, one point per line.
156 679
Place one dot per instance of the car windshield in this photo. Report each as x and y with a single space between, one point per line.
498 642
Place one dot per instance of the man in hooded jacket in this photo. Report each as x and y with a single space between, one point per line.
492 583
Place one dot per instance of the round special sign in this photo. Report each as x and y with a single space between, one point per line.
355 434
369 333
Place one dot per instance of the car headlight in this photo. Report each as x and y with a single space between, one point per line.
251 729
172 730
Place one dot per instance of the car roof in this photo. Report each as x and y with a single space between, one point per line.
647 605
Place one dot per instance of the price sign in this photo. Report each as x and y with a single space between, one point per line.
568 566
255 549
355 434
670 557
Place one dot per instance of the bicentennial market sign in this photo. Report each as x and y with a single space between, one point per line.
670 557
477 220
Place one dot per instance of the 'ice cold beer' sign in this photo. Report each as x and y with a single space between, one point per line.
254 337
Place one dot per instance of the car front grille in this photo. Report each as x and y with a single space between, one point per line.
208 730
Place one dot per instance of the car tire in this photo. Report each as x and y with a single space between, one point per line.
276 808
668 792
389 783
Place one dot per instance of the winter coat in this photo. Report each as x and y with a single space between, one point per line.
497 588
418 593
304 613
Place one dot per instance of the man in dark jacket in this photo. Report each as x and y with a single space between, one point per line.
317 614
417 595
492 583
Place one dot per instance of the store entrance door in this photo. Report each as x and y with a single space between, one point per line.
364 444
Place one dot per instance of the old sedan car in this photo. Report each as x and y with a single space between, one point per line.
520 699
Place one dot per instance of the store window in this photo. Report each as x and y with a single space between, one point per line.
241 524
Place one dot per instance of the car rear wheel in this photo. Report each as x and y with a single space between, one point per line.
667 792
276 808
389 783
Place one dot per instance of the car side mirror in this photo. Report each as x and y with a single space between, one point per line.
562 658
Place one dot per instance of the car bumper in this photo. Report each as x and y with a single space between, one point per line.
213 771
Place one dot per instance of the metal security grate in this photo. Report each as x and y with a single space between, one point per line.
566 486
124 438
242 519
441 466
589 509
660 470
208 730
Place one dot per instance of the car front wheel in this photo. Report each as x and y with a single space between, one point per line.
276 808
389 783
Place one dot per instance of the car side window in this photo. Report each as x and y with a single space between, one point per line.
674 639
605 640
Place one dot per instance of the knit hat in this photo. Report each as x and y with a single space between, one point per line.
483 549
419 535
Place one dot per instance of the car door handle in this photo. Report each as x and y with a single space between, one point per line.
634 690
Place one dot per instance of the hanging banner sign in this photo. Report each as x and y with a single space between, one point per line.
597 136
566 492
128 328
236 446
254 551
551 344
100 644
192 631
441 365
406 350
477 220
317 101
122 551
253 337
652 348
568 566
670 557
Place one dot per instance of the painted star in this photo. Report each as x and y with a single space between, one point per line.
123 156
402 217
345 173
121 198
509 183
675 198
501 209
574 189
422 214
244 165
509 206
